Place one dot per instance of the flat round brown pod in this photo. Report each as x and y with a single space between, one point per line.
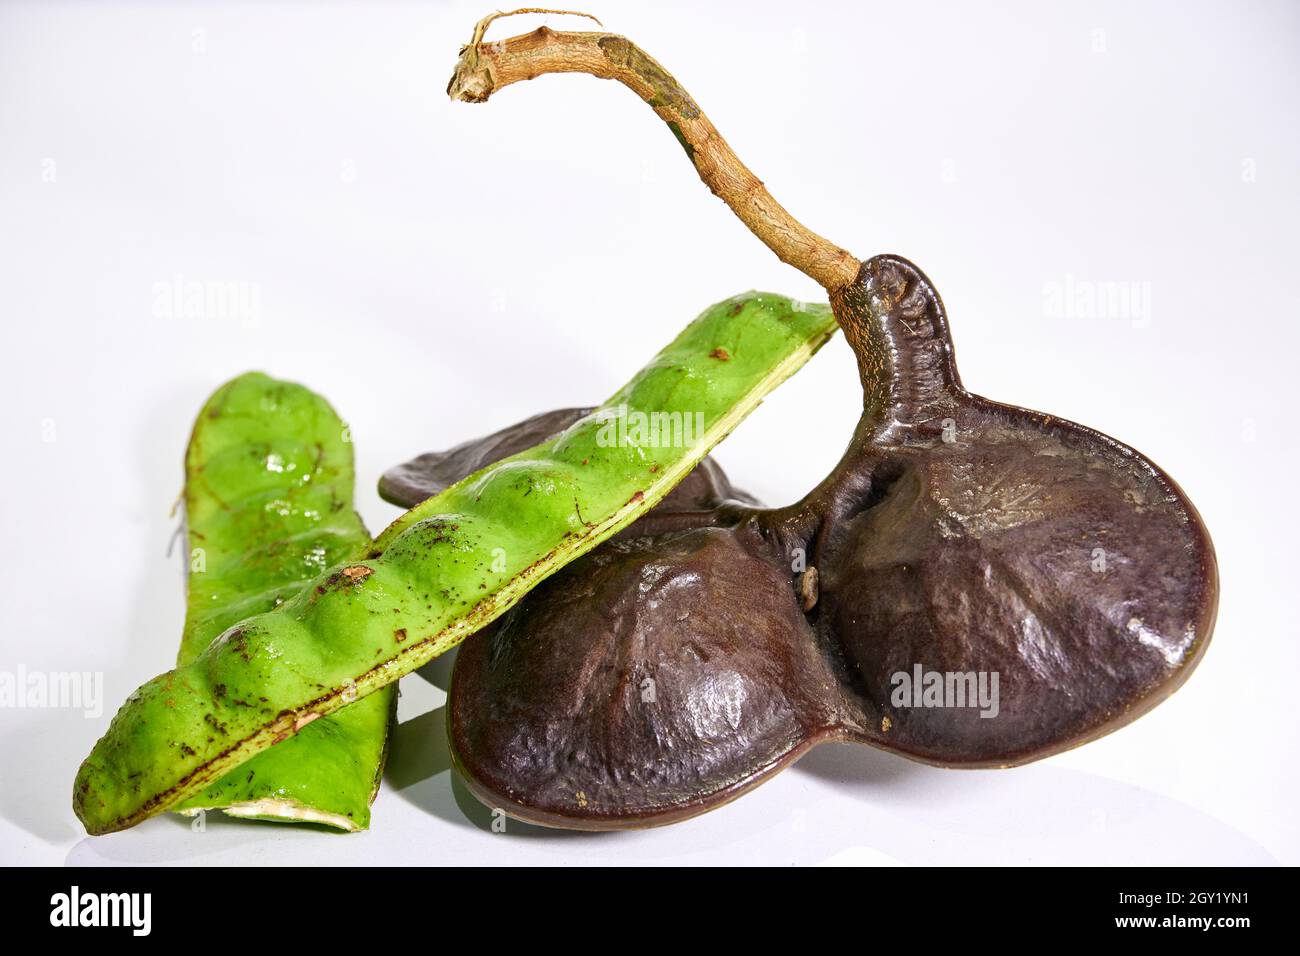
648 685
973 585
998 541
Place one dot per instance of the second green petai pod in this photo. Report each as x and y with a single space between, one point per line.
269 483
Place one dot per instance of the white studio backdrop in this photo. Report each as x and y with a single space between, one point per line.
438 270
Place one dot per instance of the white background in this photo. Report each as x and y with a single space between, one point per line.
439 270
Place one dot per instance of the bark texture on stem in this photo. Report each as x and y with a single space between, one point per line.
485 67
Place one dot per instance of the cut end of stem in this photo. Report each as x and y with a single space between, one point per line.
472 80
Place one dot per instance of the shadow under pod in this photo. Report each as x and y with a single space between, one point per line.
36 785
438 671
419 754
856 765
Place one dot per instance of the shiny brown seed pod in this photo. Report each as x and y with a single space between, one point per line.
958 543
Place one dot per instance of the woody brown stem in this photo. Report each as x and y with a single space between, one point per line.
485 67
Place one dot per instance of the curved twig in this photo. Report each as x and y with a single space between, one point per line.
484 68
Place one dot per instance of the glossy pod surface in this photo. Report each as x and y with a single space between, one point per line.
268 507
662 675
443 570
1051 577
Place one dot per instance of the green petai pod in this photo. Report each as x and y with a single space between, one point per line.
444 569
268 507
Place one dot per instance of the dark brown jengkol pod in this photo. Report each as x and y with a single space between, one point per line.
666 673
661 676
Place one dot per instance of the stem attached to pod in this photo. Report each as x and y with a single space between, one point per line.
485 67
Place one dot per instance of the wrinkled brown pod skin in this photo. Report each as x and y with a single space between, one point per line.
665 674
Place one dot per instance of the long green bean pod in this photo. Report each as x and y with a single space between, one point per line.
268 507
444 569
